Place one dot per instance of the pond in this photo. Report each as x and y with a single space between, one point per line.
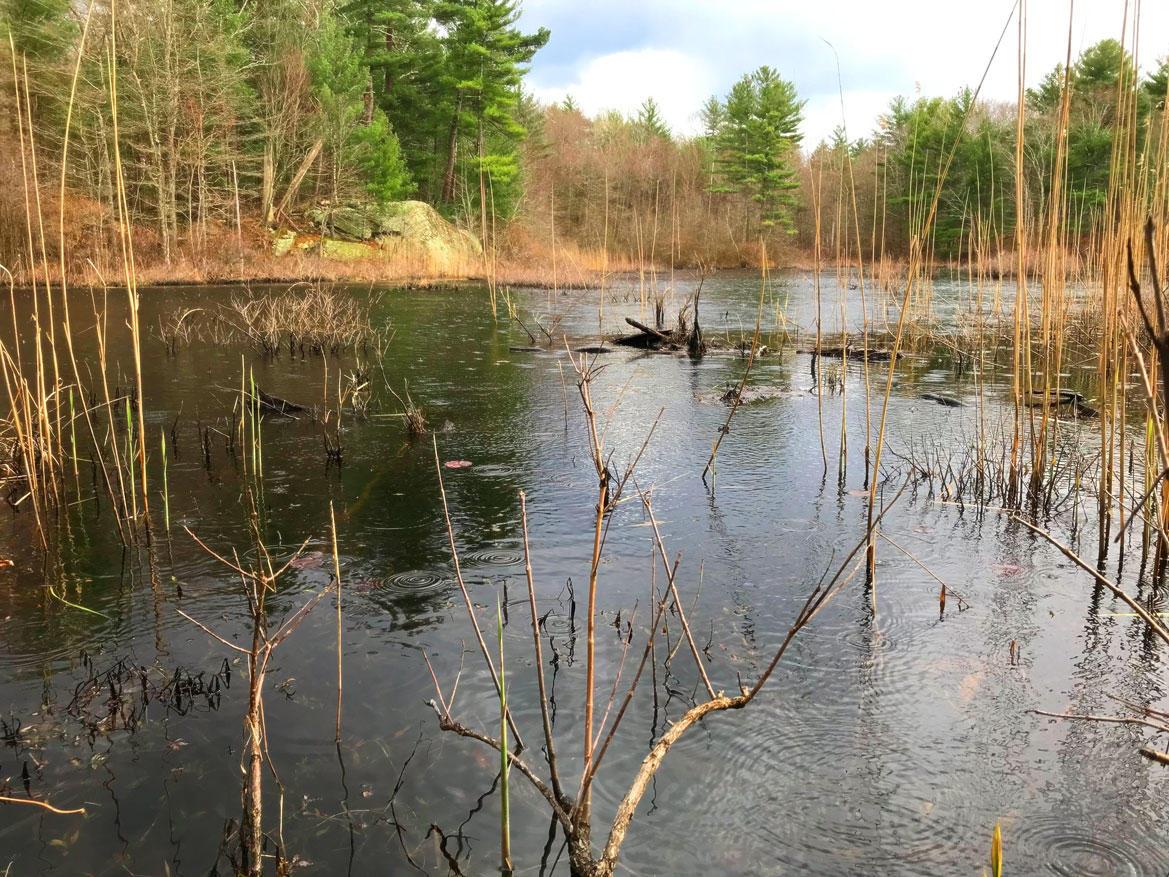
882 744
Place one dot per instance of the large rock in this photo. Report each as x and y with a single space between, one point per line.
410 233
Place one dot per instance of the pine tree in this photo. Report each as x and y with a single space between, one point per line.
40 29
650 123
757 143
360 148
1157 85
404 57
486 59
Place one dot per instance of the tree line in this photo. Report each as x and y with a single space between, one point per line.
235 117
227 111
628 181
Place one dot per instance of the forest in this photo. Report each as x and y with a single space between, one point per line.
233 119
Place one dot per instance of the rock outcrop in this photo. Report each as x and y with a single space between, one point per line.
412 234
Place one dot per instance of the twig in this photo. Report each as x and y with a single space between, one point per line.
49 807
677 600
726 428
1111 720
1140 610
337 575
553 773
446 723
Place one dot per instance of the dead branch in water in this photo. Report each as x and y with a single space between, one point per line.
574 813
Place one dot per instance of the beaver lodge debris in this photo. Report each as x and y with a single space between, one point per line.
680 339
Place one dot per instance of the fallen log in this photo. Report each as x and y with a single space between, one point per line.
645 339
641 327
947 401
277 405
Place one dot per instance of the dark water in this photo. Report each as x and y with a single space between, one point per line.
877 748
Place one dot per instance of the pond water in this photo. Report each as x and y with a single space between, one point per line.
880 746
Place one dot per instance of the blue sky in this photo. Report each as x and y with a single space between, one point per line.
615 53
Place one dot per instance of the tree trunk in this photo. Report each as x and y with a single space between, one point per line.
297 179
367 115
267 184
388 85
448 176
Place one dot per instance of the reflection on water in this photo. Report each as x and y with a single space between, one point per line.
891 747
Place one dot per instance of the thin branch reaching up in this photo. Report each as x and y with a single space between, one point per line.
467 595
550 751
726 428
677 600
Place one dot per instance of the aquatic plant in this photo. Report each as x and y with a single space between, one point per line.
412 413
258 581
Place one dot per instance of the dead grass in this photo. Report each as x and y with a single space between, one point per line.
307 318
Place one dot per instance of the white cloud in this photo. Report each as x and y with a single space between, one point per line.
611 53
623 80
861 108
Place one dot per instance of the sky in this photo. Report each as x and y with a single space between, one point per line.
613 54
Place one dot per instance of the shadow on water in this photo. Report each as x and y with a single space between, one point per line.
887 748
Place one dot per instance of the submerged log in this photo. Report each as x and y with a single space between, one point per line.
948 401
750 395
277 405
852 352
1055 397
1068 401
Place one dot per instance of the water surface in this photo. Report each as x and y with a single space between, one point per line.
886 745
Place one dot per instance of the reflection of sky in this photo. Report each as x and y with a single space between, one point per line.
610 54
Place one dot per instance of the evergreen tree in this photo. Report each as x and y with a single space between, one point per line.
712 114
1045 97
1157 85
40 29
486 58
757 143
404 58
355 136
650 124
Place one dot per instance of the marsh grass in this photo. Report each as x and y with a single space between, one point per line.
412 414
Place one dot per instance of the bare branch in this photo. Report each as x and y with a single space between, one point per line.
212 633
677 600
553 773
448 724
